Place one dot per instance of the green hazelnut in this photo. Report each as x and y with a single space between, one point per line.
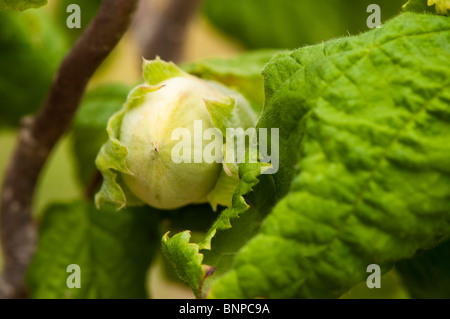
139 162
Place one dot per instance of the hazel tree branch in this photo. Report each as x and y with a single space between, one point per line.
164 33
38 136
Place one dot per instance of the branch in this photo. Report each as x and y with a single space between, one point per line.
163 34
38 136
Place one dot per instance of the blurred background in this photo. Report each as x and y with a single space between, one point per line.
33 43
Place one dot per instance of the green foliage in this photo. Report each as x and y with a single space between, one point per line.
197 218
21 4
238 225
292 23
113 251
441 6
89 129
364 170
241 73
372 180
180 252
191 266
31 47
419 6
88 10
169 99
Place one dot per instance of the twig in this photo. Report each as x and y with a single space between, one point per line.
38 136
164 32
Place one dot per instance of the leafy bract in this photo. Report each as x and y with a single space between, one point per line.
427 275
113 251
111 158
289 24
364 166
63 11
89 129
21 4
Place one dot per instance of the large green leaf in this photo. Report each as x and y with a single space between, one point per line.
371 175
31 47
113 251
292 23
428 6
21 4
364 167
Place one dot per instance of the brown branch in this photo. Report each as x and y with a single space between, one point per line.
38 136
162 31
